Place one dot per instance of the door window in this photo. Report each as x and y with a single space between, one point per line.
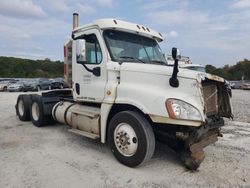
93 50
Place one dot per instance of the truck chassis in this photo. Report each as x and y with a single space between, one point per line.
188 142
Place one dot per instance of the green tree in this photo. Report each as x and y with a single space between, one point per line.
17 67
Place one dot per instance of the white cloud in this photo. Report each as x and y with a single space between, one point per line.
105 2
173 34
241 4
42 36
224 32
163 4
24 36
21 9
85 9
176 17
58 5
217 28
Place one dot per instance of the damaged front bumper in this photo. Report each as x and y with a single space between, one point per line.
192 153
190 141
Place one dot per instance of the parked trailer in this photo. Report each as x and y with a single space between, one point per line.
123 93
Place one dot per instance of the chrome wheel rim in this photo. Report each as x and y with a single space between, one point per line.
35 111
21 107
125 139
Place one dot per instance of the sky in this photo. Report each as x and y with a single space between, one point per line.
215 32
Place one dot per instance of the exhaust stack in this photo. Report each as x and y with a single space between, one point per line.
75 20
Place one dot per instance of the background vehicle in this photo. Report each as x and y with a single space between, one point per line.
18 86
37 84
185 62
58 83
182 61
195 67
240 84
4 83
232 84
245 86
124 93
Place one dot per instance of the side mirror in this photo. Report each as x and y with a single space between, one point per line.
80 50
176 54
81 57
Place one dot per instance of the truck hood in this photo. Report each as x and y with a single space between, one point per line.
150 86
167 71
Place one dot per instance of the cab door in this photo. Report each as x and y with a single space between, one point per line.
89 76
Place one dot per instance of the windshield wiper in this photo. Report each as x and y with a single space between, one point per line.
128 57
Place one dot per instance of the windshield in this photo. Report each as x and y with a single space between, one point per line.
133 47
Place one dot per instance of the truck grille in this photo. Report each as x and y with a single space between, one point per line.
210 95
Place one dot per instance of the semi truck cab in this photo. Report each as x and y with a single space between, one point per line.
124 93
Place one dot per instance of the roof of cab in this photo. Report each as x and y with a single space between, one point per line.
121 25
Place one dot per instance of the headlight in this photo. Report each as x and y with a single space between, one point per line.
178 109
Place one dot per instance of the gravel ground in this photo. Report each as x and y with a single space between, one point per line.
53 157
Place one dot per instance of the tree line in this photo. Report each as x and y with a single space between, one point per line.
12 67
239 71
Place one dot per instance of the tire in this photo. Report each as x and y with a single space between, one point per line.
131 138
37 115
23 107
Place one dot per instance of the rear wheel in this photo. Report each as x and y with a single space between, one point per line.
37 115
131 138
22 107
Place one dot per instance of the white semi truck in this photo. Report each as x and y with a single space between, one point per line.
123 92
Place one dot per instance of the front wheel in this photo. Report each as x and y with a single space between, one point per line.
131 138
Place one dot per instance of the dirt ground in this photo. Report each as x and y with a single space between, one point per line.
53 157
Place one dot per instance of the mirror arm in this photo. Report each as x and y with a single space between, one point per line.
83 63
94 71
173 81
